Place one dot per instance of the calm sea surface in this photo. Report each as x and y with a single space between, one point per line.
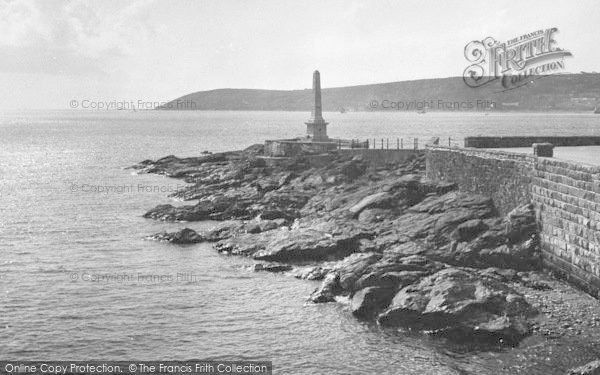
78 281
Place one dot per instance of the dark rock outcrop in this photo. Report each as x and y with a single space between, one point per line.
408 252
469 230
368 301
328 289
521 223
460 302
184 236
272 267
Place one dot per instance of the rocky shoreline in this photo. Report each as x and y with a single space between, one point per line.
409 253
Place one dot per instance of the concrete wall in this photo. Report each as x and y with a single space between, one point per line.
376 156
506 142
566 196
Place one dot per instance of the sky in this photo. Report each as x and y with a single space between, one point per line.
53 52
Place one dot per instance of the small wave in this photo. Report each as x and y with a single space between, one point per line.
345 300
70 317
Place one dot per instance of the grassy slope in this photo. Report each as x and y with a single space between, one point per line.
565 92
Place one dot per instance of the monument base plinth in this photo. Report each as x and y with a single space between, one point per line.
317 131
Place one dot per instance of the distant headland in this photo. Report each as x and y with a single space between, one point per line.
553 93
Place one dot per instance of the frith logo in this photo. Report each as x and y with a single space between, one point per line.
514 62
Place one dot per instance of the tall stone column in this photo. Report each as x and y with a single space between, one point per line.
316 127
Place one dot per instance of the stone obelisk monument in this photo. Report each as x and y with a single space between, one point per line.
316 127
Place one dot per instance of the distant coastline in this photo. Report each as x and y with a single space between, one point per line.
556 93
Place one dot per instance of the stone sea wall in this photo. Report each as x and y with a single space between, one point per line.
503 176
566 197
506 142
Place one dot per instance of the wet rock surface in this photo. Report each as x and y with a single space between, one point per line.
368 301
272 267
408 253
459 302
184 236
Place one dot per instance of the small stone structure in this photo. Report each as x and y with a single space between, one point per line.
316 140
543 149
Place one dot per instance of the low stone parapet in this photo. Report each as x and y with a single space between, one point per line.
291 148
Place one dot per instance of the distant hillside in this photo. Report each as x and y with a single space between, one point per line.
564 92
